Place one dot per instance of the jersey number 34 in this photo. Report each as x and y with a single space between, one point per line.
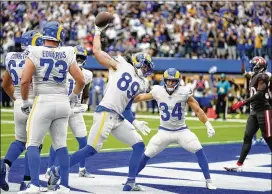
124 85
175 113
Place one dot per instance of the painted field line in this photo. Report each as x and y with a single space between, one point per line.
158 117
154 129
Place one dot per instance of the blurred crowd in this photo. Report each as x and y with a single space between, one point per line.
233 30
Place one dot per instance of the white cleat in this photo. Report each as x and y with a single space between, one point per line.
47 174
85 173
209 185
31 189
61 190
234 167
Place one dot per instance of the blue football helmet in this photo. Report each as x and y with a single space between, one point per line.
173 75
143 63
81 55
53 31
31 37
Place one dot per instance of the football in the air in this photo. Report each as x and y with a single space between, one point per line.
103 18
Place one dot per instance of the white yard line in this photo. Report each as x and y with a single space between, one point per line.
154 129
158 117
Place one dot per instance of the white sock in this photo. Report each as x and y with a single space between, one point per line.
81 169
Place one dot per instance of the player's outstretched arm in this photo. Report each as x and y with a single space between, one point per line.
143 97
102 57
8 86
26 78
78 76
201 115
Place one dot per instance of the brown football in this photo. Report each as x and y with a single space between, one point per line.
103 18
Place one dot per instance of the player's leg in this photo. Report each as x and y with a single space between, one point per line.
78 127
51 161
16 147
265 123
37 125
156 144
251 129
58 133
103 122
127 134
189 141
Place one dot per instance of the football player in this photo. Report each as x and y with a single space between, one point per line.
11 84
172 99
76 120
48 65
126 80
261 141
260 115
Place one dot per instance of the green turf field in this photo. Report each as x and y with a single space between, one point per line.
225 131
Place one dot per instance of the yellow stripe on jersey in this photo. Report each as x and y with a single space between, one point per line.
100 129
30 118
59 32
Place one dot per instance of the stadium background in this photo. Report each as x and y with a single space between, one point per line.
191 37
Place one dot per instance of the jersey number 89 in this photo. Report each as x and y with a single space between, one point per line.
124 83
50 64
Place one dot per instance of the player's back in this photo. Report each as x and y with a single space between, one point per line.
262 104
172 107
51 66
122 86
14 64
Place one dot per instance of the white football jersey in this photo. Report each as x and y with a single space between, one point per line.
14 63
172 107
71 83
51 67
123 85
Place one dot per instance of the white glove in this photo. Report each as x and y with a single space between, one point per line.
73 99
141 126
210 129
212 70
79 108
26 106
98 30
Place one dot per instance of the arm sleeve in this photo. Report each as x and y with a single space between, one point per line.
128 114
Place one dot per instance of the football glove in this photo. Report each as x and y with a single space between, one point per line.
141 126
26 106
73 99
238 105
99 30
210 129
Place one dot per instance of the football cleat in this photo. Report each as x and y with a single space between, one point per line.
3 177
235 167
54 177
47 174
132 187
254 142
61 190
24 185
262 141
85 173
31 189
209 185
